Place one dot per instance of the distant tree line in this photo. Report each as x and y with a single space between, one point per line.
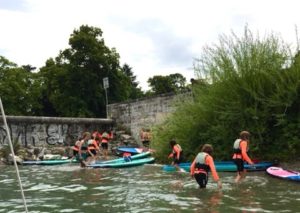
71 84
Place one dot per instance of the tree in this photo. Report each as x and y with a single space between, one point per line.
19 89
166 84
73 81
134 91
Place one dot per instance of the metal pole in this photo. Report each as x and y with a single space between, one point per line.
13 155
106 103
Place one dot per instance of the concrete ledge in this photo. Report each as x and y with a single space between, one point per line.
56 120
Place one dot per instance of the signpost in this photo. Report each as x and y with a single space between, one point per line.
105 86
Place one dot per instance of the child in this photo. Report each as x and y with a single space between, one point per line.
176 154
240 149
201 166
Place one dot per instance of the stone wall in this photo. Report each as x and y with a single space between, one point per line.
144 113
41 131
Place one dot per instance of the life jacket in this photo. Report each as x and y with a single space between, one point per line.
126 154
95 134
200 166
236 146
175 153
84 146
91 144
75 148
105 137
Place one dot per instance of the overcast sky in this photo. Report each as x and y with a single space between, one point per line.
155 37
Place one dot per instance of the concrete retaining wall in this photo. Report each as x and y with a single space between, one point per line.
40 131
144 113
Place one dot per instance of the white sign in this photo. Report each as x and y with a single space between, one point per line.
105 83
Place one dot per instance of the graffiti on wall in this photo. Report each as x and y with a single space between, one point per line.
42 134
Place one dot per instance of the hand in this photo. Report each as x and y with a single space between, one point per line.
219 184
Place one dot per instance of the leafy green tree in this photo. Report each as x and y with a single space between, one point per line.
73 82
19 89
166 84
135 91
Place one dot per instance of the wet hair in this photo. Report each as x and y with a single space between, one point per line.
86 134
172 143
207 148
244 135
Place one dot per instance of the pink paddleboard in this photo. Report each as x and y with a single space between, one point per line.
284 174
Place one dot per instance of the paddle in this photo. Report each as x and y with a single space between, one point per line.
294 172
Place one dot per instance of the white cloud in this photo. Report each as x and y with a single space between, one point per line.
154 37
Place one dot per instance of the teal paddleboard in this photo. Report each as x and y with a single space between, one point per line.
133 157
49 162
123 163
226 166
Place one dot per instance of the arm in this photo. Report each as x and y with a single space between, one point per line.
96 145
209 161
193 168
79 147
245 156
171 154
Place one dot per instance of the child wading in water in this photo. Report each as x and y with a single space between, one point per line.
201 166
240 149
176 154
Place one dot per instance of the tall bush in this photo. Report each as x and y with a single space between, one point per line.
248 83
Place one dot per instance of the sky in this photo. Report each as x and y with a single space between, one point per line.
154 37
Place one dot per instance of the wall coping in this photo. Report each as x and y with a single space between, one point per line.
57 120
145 98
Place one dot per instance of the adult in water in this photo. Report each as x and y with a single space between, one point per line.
176 154
240 149
201 166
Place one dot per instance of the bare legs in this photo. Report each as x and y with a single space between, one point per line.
240 176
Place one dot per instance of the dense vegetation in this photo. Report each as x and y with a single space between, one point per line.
247 83
71 84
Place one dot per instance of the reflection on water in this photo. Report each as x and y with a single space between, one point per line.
69 188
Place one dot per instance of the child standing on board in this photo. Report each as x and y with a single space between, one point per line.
240 149
201 166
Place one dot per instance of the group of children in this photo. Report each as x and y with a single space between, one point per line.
203 163
88 146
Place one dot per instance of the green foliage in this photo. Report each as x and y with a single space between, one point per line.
135 92
165 84
5 150
251 84
73 81
19 88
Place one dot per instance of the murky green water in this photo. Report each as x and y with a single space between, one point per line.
140 189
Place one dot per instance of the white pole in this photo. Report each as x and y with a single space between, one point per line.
13 155
106 103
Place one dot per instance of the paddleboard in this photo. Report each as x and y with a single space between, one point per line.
133 157
130 150
123 164
49 162
226 166
284 174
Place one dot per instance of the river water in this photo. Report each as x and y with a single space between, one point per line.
68 188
